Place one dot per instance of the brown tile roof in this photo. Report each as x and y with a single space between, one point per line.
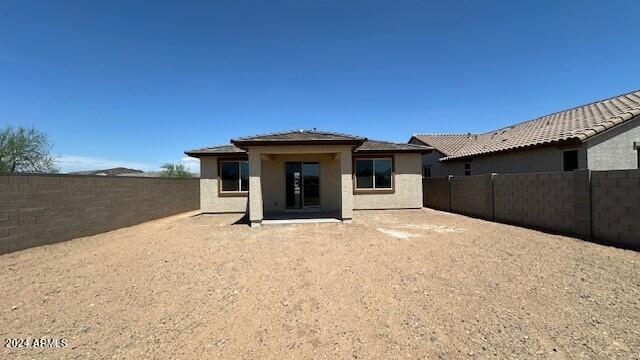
297 137
374 146
215 150
309 136
576 124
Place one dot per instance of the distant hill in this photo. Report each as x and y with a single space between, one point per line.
143 174
119 171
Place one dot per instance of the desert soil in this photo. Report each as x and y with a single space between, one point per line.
393 284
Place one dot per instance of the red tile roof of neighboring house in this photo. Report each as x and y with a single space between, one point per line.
577 124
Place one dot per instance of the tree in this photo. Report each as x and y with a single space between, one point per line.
175 171
25 150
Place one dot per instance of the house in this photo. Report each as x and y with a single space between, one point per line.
603 135
306 172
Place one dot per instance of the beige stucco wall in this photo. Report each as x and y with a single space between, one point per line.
544 159
407 184
267 164
210 202
273 180
613 149
267 183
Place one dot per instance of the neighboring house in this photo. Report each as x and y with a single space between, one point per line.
308 171
604 135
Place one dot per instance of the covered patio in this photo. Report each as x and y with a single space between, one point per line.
298 182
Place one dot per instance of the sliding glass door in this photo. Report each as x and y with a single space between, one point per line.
310 184
302 185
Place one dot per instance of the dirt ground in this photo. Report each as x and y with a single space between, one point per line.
393 284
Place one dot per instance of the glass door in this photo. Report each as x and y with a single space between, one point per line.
293 185
302 185
310 184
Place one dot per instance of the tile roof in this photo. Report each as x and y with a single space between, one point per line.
576 124
447 144
363 144
215 150
385 146
298 136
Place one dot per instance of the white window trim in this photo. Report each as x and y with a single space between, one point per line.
373 175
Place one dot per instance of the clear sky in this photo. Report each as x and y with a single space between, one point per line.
136 83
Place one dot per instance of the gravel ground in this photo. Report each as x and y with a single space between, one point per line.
393 284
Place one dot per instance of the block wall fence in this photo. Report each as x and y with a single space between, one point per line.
435 193
472 195
40 209
601 205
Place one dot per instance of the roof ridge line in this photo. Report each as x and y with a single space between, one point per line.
544 116
446 134
562 111
587 104
299 131
271 133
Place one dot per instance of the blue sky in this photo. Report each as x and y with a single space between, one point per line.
137 83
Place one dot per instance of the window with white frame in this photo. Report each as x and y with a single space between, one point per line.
234 176
374 173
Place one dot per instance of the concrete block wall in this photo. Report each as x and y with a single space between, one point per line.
472 195
43 209
615 199
436 193
602 205
543 200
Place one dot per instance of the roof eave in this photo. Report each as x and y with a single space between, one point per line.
572 140
203 154
192 154
613 122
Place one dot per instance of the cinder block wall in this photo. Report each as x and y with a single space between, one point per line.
436 193
472 195
44 209
544 200
603 205
616 206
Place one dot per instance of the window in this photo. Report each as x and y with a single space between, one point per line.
373 173
234 175
636 146
426 171
570 160
467 169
